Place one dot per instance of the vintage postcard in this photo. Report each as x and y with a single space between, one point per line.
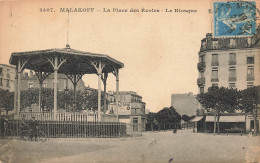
129 81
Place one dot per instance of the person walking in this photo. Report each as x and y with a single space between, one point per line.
33 126
3 123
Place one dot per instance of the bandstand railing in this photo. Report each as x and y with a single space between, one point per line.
78 117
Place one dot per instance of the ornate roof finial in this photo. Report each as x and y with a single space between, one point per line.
67 46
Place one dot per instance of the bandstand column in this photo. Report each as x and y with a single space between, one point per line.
55 86
15 91
20 67
99 90
18 87
104 79
74 89
40 96
117 91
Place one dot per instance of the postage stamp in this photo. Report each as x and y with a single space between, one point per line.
234 18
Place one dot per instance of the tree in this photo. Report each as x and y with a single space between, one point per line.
249 103
6 100
168 116
187 118
29 97
150 118
92 100
220 100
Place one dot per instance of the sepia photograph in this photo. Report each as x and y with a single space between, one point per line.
148 81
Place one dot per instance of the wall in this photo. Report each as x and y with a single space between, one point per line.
184 103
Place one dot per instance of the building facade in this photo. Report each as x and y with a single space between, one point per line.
185 104
229 62
7 77
131 110
233 63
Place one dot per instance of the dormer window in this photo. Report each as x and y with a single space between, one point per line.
232 43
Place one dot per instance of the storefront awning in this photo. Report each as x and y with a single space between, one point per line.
226 119
196 119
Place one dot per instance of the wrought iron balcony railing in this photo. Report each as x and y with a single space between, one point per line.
201 81
214 79
233 78
201 66
232 62
214 63
250 78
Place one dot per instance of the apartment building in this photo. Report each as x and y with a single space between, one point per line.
131 110
229 62
7 77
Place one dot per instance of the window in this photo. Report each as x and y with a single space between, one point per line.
232 74
214 60
232 43
214 57
203 45
215 44
232 58
250 73
214 84
136 111
250 60
201 58
232 85
7 83
202 74
201 89
214 77
8 73
1 82
30 85
249 41
135 124
1 71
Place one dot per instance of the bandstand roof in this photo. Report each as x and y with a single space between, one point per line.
78 62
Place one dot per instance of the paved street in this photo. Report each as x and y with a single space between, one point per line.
184 146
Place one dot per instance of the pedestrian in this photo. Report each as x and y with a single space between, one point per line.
3 123
174 129
33 126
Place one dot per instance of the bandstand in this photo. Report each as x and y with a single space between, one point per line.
73 63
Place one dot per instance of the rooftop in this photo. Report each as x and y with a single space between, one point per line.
76 61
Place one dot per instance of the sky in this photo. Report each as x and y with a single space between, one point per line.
159 49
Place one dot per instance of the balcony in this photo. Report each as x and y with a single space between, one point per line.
250 78
215 46
233 78
202 48
232 62
214 79
201 66
201 81
214 63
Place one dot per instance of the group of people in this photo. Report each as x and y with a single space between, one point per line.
32 126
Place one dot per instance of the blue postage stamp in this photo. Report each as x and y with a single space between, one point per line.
234 18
